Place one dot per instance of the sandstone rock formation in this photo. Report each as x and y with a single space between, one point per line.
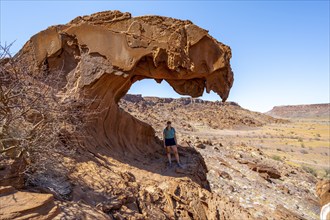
323 192
100 56
24 205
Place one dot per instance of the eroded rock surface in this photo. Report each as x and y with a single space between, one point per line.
100 56
323 192
26 205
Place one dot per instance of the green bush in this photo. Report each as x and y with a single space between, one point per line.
276 157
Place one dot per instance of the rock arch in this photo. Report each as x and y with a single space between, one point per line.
103 54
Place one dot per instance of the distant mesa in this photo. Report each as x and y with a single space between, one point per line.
188 111
301 111
153 100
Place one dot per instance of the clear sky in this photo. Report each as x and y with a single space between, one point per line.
280 48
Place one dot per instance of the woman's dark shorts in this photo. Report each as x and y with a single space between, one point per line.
170 142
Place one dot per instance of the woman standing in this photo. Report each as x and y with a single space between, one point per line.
170 142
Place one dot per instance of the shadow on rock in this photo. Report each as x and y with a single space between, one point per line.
156 162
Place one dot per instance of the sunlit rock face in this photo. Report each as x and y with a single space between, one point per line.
100 56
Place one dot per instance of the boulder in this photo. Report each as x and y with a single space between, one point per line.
323 192
270 171
201 146
225 175
26 205
12 171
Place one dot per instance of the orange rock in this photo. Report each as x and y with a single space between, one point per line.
12 172
270 171
323 191
100 56
26 205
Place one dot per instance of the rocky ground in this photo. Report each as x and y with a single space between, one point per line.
242 183
232 154
224 177
296 141
192 114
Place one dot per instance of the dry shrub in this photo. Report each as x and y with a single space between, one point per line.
36 123
309 170
276 157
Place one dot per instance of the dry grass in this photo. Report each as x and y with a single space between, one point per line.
296 143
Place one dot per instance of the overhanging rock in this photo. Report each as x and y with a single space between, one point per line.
100 56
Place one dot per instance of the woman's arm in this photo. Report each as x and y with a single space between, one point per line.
164 139
176 142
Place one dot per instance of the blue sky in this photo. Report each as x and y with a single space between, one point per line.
280 48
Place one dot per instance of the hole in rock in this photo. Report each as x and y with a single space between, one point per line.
156 103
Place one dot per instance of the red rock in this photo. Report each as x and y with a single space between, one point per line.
103 54
271 172
12 172
323 191
26 205
201 146
225 175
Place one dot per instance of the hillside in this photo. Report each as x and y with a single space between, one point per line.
301 111
189 114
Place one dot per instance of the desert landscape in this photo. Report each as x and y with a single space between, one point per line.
75 145
296 135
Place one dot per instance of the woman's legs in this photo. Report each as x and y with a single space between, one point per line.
176 154
168 152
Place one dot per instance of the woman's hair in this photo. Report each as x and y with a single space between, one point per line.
168 123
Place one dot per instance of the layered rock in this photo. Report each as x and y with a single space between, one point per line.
26 205
301 111
99 57
323 192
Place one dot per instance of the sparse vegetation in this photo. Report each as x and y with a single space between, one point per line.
310 170
303 151
35 124
276 157
327 172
